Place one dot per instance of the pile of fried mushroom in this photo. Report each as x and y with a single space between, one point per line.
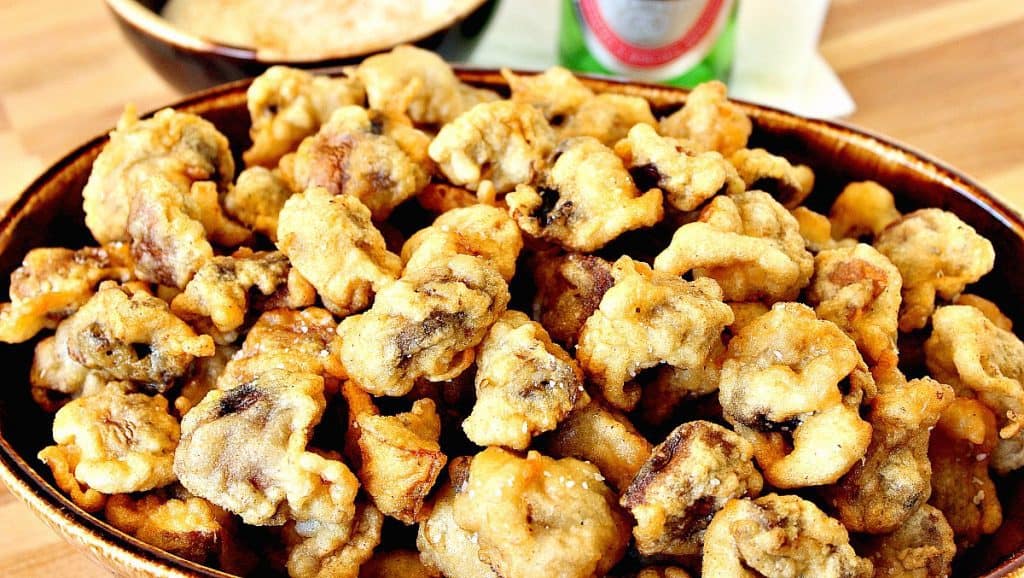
552 334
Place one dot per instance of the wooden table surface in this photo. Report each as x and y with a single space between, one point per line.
944 76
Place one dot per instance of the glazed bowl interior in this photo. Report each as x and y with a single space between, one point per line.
49 213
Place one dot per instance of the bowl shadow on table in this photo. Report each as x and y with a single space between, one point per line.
49 213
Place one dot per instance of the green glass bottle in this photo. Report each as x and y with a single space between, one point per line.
678 42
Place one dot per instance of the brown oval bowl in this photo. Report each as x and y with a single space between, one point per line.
191 63
49 213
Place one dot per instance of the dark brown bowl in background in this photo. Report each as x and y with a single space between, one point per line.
191 63
49 213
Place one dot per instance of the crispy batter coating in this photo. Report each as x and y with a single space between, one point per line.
585 200
256 200
424 325
503 142
749 243
863 209
605 438
688 478
181 148
332 550
685 175
399 456
52 283
556 92
763 171
922 547
396 564
56 378
960 451
979 359
782 537
647 318
990 309
480 230
569 289
114 442
937 255
380 159
816 230
286 105
525 384
608 118
439 198
357 264
858 289
790 374
220 228
525 511
203 377
671 386
709 120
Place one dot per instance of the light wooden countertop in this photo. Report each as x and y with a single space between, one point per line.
944 76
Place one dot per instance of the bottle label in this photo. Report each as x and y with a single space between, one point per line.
652 38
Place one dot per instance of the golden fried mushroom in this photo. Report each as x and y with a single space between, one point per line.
202 378
52 283
480 230
990 309
525 511
220 228
584 200
396 564
608 118
569 290
603 437
792 385
398 455
525 384
178 147
426 324
748 243
782 537
922 547
688 478
256 200
557 93
503 142
286 105
56 378
709 120
331 241
858 289
960 450
685 175
645 319
332 550
938 255
863 209
816 230
763 171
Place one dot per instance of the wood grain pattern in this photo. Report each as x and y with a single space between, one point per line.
944 76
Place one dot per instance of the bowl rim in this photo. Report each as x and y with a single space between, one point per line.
156 26
104 541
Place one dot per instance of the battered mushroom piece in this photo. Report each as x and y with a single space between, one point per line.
569 290
937 255
525 510
53 283
132 336
608 117
792 385
645 319
424 325
763 171
990 309
748 243
603 437
557 93
356 264
960 450
398 455
858 289
979 359
782 537
220 229
203 377
816 230
480 230
863 209
671 386
503 142
396 564
709 120
688 478
377 158
114 443
686 176
332 550
585 200
56 378
286 105
179 147
256 200
439 198
922 547
525 384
